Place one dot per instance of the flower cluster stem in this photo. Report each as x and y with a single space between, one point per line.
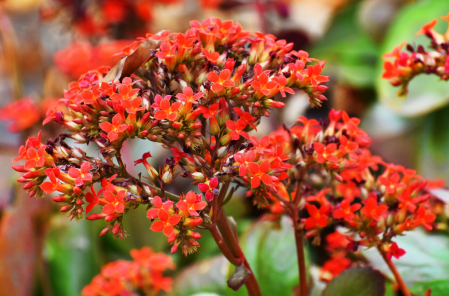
299 238
396 274
233 251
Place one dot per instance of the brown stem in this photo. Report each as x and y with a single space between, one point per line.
231 241
301 258
223 248
395 272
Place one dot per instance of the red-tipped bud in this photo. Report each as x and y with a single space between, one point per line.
196 125
192 221
144 133
20 168
77 190
235 91
22 180
181 136
105 230
95 216
29 185
174 248
193 234
130 129
176 125
153 138
116 228
79 202
273 104
66 208
61 198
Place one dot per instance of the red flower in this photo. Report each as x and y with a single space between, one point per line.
263 85
107 184
259 173
178 154
153 213
81 175
115 203
371 209
211 111
166 222
424 218
237 129
132 106
209 188
314 74
262 144
166 51
92 199
346 211
51 186
244 160
325 154
115 128
188 96
219 82
191 204
282 81
427 27
317 217
167 111
247 117
395 251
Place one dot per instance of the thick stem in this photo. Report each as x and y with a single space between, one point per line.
396 274
301 259
228 236
223 248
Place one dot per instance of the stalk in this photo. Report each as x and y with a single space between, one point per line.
395 272
230 240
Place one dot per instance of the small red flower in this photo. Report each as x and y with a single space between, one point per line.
247 117
325 154
259 173
192 204
314 74
188 96
237 129
282 81
244 160
167 111
262 144
115 203
158 205
166 222
346 211
115 128
395 252
178 154
133 105
371 209
92 199
81 175
219 82
317 217
423 218
209 188
51 186
263 85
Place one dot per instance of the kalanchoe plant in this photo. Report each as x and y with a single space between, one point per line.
199 94
402 66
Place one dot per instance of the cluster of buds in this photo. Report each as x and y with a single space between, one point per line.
402 66
197 93
144 274
337 181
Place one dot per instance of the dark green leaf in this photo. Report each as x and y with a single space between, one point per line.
357 281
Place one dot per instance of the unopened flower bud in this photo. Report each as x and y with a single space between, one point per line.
167 177
222 151
197 176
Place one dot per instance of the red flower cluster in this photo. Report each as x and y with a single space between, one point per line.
144 273
401 66
371 198
215 76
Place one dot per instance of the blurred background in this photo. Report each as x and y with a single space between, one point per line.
45 44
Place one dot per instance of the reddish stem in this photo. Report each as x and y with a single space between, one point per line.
395 272
300 252
232 244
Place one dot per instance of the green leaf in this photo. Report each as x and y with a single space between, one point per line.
271 254
426 258
350 53
434 145
206 276
426 92
438 287
357 281
71 258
